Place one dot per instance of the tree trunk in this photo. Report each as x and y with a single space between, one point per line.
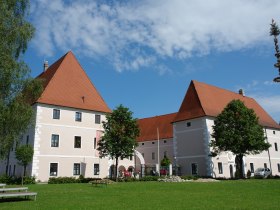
24 170
239 165
7 163
116 169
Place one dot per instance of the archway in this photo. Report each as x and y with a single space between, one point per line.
231 171
142 162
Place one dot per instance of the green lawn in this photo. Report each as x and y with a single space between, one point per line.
240 194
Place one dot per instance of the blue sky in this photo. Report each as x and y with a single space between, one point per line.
143 54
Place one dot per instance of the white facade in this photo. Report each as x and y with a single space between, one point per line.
65 146
191 149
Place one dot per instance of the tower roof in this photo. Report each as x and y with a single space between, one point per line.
66 84
206 100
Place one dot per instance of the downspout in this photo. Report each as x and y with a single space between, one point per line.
268 151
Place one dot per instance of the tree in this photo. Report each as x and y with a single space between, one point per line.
120 133
165 161
17 89
275 31
237 130
24 154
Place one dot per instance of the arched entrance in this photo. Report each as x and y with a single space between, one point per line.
142 162
231 171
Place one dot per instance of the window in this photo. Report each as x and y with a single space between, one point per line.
252 167
165 154
55 140
94 143
194 169
189 124
56 114
164 141
130 157
273 132
78 117
77 142
27 139
276 147
153 142
278 165
77 169
96 169
153 155
265 165
220 167
53 169
142 143
97 119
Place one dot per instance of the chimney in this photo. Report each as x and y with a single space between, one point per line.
46 65
241 92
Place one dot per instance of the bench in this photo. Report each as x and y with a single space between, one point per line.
2 190
16 192
19 194
100 182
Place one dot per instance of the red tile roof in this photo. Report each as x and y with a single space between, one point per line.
148 127
66 84
206 100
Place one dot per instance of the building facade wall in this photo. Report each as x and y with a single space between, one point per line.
191 146
65 154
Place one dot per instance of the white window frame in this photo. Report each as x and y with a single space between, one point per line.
54 142
56 169
74 170
56 114
220 167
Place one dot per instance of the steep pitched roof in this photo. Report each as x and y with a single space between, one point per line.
66 84
206 100
149 126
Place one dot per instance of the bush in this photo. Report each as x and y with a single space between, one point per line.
148 178
11 180
63 180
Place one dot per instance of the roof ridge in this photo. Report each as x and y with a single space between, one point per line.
223 89
157 116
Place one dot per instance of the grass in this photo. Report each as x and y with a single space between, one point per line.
239 194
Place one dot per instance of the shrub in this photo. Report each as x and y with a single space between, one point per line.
148 178
10 180
63 180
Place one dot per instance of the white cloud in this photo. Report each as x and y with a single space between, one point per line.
271 104
128 32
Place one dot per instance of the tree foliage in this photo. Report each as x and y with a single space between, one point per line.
120 133
165 161
237 130
275 31
24 154
17 88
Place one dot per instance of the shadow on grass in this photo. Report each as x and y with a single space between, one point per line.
6 200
